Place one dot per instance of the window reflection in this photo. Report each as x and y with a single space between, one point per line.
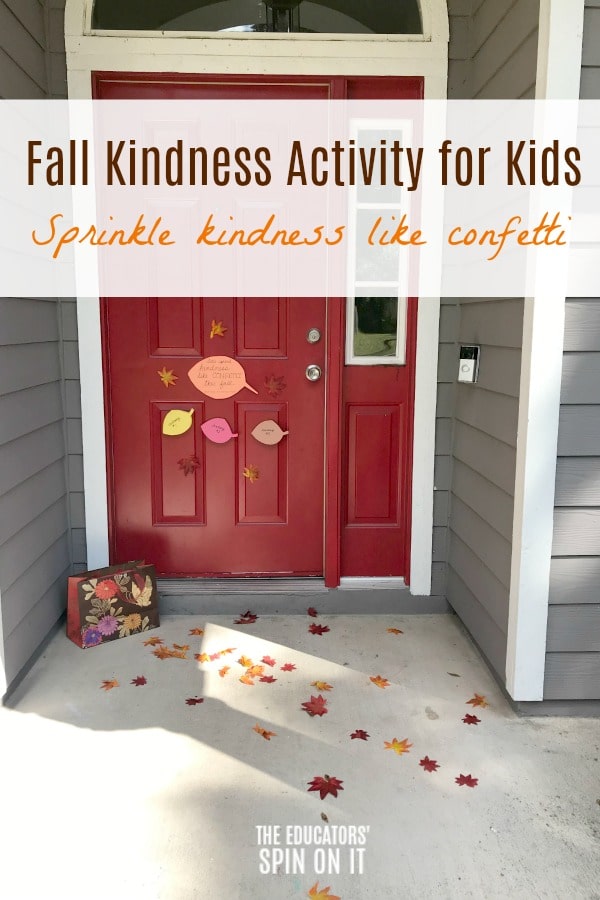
375 326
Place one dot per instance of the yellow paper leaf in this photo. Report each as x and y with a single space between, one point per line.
217 329
251 473
202 657
397 746
177 421
322 685
245 662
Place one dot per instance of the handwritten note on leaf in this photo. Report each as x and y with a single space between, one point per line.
219 377
269 433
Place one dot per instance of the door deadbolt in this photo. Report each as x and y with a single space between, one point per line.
313 373
313 336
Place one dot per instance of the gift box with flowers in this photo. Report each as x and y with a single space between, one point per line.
112 603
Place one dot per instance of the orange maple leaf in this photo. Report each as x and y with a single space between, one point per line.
196 631
264 733
153 641
202 657
379 681
109 685
321 685
397 746
217 329
246 679
255 671
229 650
183 647
394 631
251 473
167 377
322 893
245 661
162 653
223 672
178 654
478 700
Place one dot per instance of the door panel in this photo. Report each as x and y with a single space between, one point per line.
213 520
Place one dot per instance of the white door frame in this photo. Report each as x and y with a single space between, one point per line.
424 55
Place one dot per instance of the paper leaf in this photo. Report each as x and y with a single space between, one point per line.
268 432
268 661
251 473
379 681
321 894
255 671
196 631
478 700
167 377
245 661
153 642
217 329
321 685
288 667
326 784
471 720
467 780
394 631
194 701
430 765
177 421
246 679
109 685
397 746
318 629
267 735
311 611
268 679
139 681
275 384
223 672
316 706
360 734
217 430
219 377
202 657
247 618
189 464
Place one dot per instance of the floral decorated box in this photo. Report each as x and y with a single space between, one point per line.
112 603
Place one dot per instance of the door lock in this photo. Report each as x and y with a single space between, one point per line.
313 373
313 336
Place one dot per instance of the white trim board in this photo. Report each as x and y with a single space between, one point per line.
421 55
558 76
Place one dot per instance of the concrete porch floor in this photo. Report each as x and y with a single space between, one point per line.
133 793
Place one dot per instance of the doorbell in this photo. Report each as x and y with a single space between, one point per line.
468 366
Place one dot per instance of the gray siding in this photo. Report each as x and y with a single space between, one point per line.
483 474
573 657
590 64
493 49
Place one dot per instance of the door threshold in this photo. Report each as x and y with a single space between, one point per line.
200 586
372 584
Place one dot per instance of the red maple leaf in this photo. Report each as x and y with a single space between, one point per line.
247 618
360 735
316 706
471 720
326 784
430 765
194 701
311 611
275 384
189 464
468 780
268 679
318 629
139 681
268 661
288 667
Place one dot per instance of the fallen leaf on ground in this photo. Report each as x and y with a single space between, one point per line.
183 647
245 679
162 653
379 681
394 631
109 685
454 675
322 894
311 611
318 629
139 681
255 671
268 679
228 650
288 667
471 720
196 631
430 765
245 661
397 746
360 734
264 733
467 780
202 657
246 618
326 784
214 656
322 685
478 700
153 641
223 672
194 701
268 661
316 706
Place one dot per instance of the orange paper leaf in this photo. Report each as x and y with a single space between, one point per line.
196 631
251 473
167 377
379 681
153 641
245 661
223 672
217 329
397 746
321 685
109 685
394 631
321 894
246 679
202 657
478 700
255 671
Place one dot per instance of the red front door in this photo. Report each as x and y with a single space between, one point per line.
188 504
